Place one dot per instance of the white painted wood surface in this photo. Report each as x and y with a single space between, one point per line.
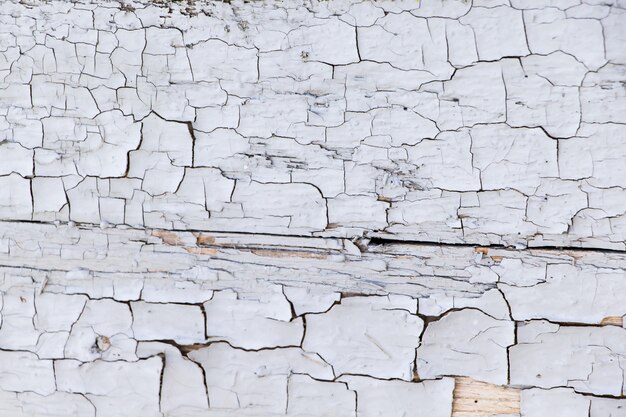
334 208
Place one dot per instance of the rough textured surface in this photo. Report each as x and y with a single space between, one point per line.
302 208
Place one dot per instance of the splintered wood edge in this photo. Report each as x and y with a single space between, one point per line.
612 321
473 398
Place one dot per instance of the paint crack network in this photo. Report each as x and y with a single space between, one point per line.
306 208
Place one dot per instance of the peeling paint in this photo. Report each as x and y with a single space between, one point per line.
313 208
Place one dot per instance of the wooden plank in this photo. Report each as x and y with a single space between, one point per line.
479 399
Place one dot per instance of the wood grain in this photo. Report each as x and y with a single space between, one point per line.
479 399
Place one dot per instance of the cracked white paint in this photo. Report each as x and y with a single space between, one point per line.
313 208
466 342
